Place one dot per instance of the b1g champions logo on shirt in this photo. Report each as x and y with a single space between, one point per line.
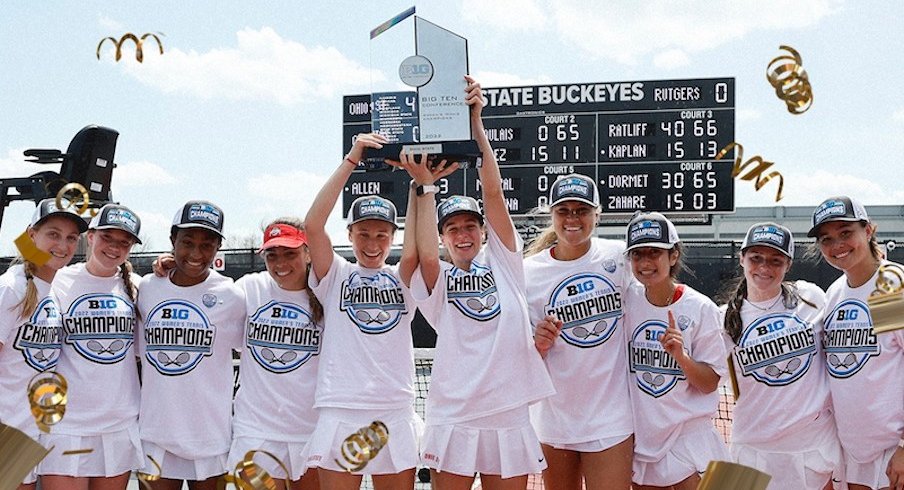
776 349
849 340
100 327
589 307
39 338
282 336
473 292
374 303
657 372
177 336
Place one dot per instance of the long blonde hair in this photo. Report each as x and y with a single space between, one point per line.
30 301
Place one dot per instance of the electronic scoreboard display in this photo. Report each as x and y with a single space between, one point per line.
650 145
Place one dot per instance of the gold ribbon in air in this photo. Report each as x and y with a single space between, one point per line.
361 447
139 42
47 397
790 80
758 172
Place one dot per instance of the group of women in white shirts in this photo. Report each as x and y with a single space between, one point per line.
581 358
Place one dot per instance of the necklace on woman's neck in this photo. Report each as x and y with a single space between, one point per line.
751 303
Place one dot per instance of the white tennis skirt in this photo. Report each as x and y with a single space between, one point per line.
111 454
503 444
690 454
179 468
334 425
804 460
288 453
871 474
593 446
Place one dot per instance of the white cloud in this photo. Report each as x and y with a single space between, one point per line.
808 189
141 174
155 229
262 66
671 58
898 115
748 114
499 79
14 165
109 23
516 15
628 31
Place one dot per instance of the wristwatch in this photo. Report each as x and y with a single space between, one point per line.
425 189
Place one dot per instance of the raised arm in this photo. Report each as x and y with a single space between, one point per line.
315 222
409 260
494 207
420 223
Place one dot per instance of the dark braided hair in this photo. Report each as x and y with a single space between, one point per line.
735 300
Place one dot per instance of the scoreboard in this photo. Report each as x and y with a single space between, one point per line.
650 145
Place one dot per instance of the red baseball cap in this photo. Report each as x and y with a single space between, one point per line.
283 235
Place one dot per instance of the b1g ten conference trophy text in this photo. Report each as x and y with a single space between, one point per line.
434 118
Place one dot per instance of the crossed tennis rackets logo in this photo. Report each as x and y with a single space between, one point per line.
39 338
776 349
473 292
374 303
849 340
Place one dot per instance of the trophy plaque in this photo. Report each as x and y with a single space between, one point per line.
418 92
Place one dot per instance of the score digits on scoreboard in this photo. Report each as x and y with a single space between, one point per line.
650 145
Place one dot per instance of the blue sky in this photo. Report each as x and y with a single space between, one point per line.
244 108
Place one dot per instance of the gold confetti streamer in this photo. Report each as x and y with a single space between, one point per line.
248 475
73 452
886 303
790 80
76 197
47 396
19 454
361 447
144 478
29 251
139 52
756 172
721 475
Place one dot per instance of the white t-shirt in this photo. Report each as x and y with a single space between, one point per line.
780 368
97 357
367 360
279 363
864 372
185 343
663 399
587 363
485 360
29 346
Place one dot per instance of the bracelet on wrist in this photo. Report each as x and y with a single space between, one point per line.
349 160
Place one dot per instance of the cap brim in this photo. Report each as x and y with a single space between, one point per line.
114 227
374 218
577 199
815 230
196 225
282 242
79 221
664 246
770 245
441 222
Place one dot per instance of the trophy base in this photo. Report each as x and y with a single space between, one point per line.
465 152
